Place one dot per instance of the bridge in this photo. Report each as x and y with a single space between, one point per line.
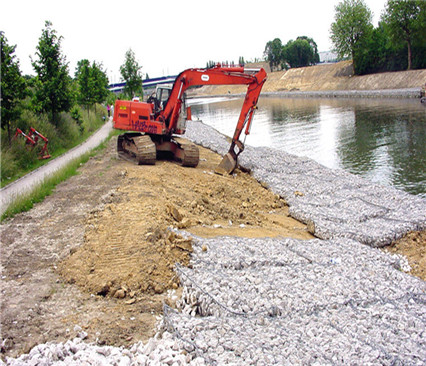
117 88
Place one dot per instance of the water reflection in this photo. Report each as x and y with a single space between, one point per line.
380 139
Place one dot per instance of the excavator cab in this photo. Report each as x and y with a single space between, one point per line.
163 94
160 97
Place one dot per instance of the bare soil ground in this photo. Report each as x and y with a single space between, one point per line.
413 246
334 76
96 256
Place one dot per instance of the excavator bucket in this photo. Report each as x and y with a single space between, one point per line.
227 165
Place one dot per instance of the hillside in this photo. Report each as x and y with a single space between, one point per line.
336 76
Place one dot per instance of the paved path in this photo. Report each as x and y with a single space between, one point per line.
29 181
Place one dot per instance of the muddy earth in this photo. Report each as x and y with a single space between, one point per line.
96 258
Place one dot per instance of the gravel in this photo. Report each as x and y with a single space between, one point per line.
289 301
164 351
332 202
327 301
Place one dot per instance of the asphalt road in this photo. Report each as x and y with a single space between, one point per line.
28 182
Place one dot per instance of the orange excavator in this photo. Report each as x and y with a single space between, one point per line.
155 123
32 139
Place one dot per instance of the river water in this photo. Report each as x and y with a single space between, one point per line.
383 140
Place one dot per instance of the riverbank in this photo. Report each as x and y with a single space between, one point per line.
96 256
330 80
382 93
349 303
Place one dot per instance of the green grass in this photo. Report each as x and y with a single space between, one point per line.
18 160
37 194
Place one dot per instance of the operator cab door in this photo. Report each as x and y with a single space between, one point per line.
163 94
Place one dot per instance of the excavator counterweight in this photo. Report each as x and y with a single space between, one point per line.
155 123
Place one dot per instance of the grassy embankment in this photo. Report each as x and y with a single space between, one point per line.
26 201
18 159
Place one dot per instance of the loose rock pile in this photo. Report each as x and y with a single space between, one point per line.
333 203
286 301
164 351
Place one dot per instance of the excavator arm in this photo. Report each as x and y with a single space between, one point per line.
154 127
254 78
44 153
28 139
32 139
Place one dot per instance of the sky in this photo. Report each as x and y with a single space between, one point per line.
167 36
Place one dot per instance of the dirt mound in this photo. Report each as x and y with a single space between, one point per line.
92 258
127 248
413 246
96 256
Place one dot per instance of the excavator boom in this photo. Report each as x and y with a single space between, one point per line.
32 139
162 123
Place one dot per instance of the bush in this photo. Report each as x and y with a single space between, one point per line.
72 129
76 116
68 130
8 165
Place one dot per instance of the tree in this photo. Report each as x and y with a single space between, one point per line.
100 83
404 20
352 23
273 52
419 44
377 53
314 46
300 53
53 83
83 77
92 83
130 72
13 87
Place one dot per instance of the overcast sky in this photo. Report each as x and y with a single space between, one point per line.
167 36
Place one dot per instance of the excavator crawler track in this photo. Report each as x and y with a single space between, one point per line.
191 155
147 153
137 148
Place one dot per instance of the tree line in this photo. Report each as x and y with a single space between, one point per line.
52 91
59 106
397 43
295 53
